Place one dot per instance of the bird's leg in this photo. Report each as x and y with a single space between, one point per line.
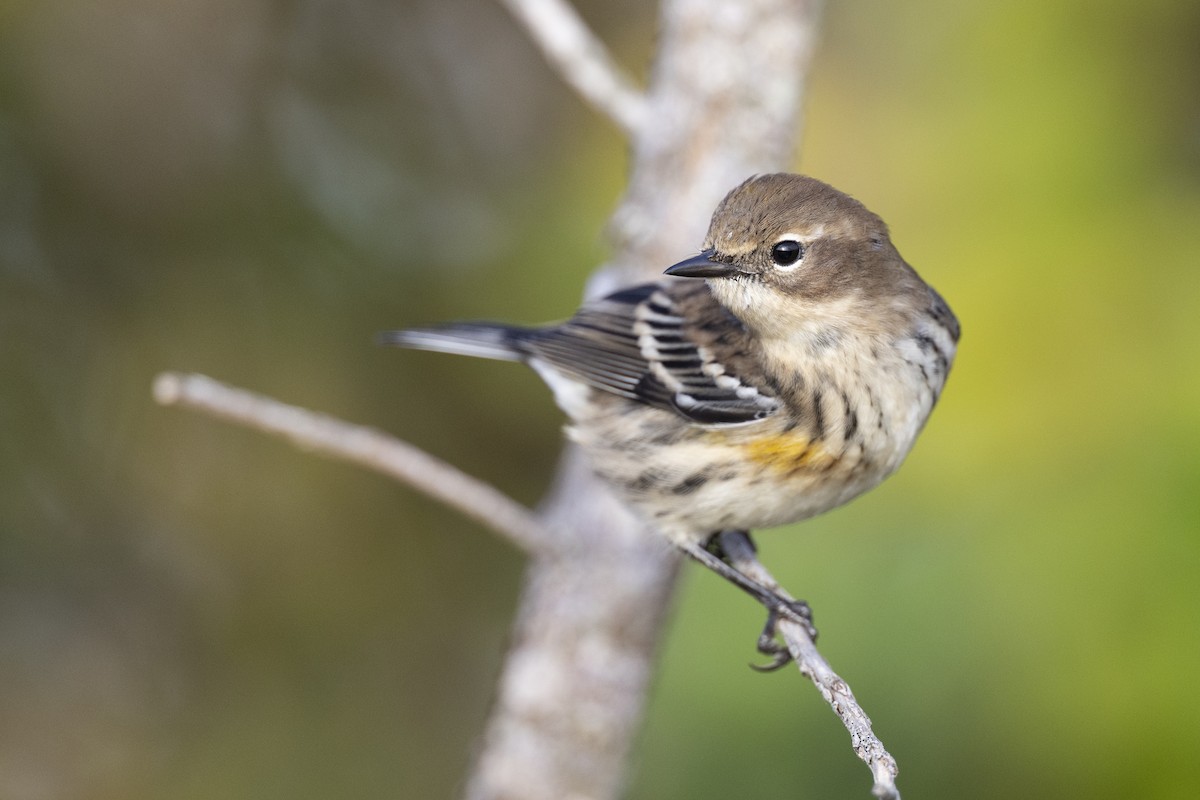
768 645
777 606
739 560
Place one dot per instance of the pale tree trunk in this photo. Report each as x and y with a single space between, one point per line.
723 103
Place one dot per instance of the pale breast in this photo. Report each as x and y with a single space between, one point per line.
851 420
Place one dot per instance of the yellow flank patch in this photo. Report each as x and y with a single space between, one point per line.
788 452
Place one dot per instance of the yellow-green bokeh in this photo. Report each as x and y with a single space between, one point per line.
252 190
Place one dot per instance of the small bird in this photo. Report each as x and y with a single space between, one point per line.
786 374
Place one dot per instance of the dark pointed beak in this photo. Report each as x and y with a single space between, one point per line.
702 266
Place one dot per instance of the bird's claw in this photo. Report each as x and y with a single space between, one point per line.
797 610
768 645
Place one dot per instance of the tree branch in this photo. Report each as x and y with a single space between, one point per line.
366 447
582 60
736 545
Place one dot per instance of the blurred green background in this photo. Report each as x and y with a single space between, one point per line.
252 189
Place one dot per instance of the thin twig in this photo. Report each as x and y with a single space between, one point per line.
582 60
360 445
813 666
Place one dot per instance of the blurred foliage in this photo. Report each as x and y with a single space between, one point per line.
253 189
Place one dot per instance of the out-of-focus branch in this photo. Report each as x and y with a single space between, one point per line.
813 666
726 99
366 447
582 60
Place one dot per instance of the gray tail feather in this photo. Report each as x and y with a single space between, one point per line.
479 339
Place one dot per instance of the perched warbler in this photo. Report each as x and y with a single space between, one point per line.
782 372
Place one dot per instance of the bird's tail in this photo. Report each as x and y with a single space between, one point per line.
479 339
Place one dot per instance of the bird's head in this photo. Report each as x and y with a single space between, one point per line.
786 252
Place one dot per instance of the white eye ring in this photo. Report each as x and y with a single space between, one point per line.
787 253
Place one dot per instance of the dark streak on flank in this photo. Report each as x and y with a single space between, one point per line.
646 480
928 345
851 424
690 483
818 416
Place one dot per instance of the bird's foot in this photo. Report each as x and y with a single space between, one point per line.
769 645
711 555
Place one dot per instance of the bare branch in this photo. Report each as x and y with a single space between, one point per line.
360 445
582 60
813 666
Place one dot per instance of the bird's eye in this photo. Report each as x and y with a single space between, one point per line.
787 252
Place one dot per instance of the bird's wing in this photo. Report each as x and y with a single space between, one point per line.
670 345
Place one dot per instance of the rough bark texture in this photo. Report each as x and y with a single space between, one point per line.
724 102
